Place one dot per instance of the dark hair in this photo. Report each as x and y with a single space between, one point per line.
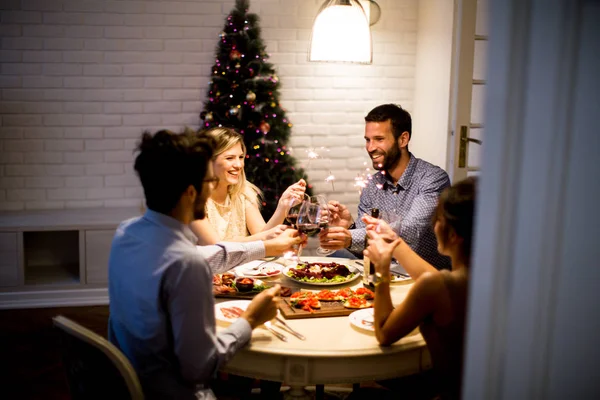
399 118
455 211
168 163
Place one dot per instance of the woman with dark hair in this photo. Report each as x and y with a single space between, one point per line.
437 301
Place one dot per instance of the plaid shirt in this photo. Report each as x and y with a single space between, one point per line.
412 200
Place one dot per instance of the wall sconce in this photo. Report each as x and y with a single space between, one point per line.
341 32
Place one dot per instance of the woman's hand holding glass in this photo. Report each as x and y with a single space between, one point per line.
293 205
292 194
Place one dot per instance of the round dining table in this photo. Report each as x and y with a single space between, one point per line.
334 350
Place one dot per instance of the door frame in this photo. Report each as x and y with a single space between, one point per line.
463 55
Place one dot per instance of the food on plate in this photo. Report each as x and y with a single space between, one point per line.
364 293
327 295
357 302
231 312
307 301
319 272
223 289
224 284
344 293
227 278
244 284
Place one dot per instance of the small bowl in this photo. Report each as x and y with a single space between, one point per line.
244 284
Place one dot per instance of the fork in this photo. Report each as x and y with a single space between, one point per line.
289 328
278 335
256 267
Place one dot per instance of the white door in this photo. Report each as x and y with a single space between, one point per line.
534 301
468 88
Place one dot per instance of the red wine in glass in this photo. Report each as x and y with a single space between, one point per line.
309 229
292 215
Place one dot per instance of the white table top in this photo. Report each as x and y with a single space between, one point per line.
333 342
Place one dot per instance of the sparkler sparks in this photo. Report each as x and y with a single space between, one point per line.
331 178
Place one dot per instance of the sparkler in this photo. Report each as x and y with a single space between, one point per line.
312 154
331 178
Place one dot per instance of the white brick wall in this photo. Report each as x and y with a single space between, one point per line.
80 81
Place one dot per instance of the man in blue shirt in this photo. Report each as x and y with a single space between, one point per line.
160 283
404 186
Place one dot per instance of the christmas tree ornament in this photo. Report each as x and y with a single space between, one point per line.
264 127
234 111
238 66
208 116
222 35
235 55
251 96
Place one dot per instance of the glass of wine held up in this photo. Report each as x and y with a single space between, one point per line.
292 212
308 220
323 220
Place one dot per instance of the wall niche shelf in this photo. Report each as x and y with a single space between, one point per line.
57 257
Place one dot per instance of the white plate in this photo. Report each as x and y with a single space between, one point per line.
363 319
350 267
220 316
266 269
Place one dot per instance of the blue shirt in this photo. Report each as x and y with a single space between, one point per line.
412 200
162 308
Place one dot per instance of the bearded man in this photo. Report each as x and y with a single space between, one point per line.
405 189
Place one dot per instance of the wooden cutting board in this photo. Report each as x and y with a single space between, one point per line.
328 309
248 295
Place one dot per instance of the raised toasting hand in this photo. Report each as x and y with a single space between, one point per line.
381 227
339 214
263 307
288 240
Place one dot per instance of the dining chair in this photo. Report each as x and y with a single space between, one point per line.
96 369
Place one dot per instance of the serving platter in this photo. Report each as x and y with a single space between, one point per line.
356 274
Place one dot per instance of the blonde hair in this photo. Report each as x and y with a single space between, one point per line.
225 139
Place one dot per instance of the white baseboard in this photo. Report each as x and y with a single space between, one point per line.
54 298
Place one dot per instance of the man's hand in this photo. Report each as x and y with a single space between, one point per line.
263 307
288 240
335 238
340 215
380 251
381 227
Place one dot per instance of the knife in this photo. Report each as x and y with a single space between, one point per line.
274 332
289 328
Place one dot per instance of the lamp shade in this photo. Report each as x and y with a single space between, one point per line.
341 33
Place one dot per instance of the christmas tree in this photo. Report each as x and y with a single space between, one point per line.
243 95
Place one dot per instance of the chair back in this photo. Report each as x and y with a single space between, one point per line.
96 369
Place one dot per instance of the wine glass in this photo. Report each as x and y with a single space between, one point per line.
308 220
292 212
293 208
323 220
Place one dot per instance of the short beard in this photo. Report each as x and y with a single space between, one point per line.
392 158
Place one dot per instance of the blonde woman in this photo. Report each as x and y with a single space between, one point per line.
232 211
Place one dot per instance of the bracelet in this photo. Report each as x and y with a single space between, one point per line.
379 279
